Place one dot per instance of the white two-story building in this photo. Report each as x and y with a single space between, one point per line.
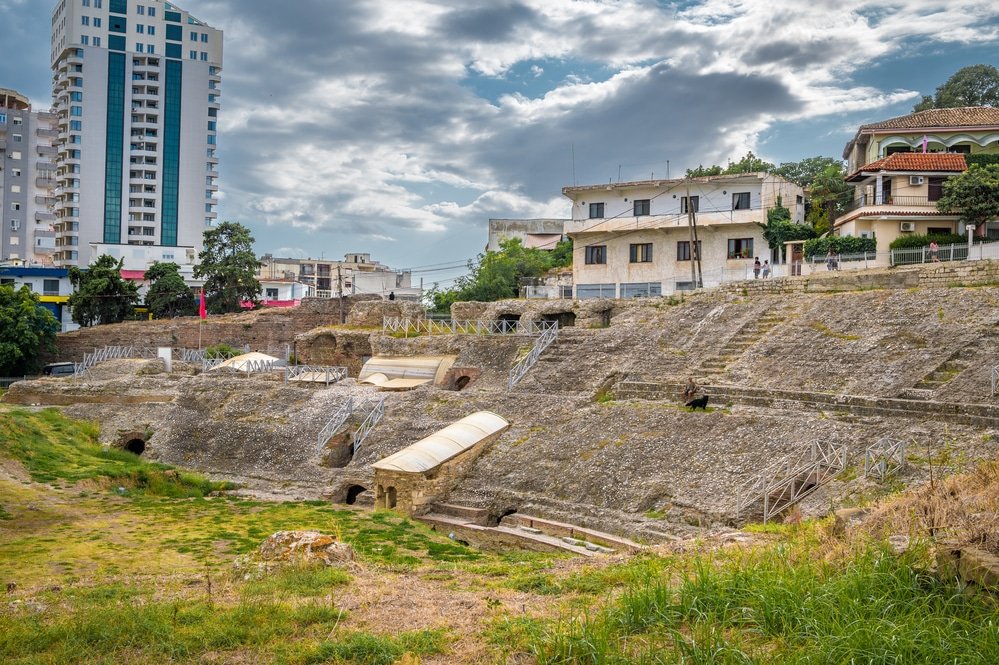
634 238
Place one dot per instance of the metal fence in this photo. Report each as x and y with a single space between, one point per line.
905 256
524 365
492 327
790 480
314 374
884 458
374 417
335 423
8 381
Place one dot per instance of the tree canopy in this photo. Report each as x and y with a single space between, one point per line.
780 229
974 194
100 295
497 275
26 328
975 85
168 295
748 163
229 268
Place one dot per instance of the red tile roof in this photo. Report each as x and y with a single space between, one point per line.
916 161
963 116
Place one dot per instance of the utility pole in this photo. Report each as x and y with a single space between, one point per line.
693 236
339 290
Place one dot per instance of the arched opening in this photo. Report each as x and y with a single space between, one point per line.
353 492
135 446
462 382
496 517
564 319
509 321
390 497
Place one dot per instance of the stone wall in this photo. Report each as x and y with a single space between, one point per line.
334 347
264 330
370 314
594 313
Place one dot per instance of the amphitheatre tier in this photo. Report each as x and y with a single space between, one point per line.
597 435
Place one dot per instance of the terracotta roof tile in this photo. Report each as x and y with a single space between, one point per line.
916 161
964 116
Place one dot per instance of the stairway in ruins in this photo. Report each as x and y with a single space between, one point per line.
575 363
962 359
470 524
714 369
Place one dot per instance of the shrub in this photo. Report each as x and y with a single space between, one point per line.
982 159
922 240
840 245
221 351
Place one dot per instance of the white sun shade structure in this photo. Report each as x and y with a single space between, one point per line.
405 373
249 361
429 453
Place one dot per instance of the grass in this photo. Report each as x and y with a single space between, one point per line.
774 605
829 332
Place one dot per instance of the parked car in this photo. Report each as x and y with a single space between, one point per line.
59 369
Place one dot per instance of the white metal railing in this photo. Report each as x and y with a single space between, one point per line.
192 355
492 327
905 256
374 417
340 417
315 373
524 365
884 458
790 480
113 353
246 367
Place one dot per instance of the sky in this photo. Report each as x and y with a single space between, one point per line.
399 127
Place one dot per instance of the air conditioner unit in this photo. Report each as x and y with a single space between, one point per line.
907 226
916 180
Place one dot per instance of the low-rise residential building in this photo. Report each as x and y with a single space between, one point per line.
284 292
969 130
898 195
51 284
355 274
536 233
634 238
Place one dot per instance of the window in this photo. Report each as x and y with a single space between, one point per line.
15 206
211 125
138 47
139 28
596 211
85 20
17 138
97 41
683 250
85 40
272 294
204 56
194 36
75 125
939 231
694 200
642 207
140 9
194 55
151 11
151 30
150 48
935 189
211 139
3 118
740 201
86 3
640 252
50 287
98 4
596 254
740 248
97 21
15 173
15 225
204 37
76 96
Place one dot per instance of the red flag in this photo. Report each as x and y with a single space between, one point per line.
202 312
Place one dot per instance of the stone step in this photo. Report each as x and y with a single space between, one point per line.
495 537
572 531
470 513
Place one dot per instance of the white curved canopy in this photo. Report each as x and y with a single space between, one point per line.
434 450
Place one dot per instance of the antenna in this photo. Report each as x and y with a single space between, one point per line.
667 169
573 147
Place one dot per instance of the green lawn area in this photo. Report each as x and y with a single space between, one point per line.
117 560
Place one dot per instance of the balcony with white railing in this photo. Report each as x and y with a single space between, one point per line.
670 220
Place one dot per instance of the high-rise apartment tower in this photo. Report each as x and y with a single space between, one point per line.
136 86
27 175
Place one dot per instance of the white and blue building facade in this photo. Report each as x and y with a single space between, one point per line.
51 284
136 88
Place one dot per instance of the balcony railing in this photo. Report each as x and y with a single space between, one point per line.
891 200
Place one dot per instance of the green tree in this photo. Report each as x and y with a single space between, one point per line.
229 268
26 328
703 171
976 85
780 229
100 295
974 195
168 296
829 195
807 170
497 275
749 163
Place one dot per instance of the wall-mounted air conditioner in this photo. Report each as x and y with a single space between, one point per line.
907 226
916 180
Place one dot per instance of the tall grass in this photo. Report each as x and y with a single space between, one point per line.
776 607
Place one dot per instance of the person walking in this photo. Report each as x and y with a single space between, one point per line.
934 252
766 269
756 268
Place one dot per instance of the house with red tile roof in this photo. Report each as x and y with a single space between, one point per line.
898 166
